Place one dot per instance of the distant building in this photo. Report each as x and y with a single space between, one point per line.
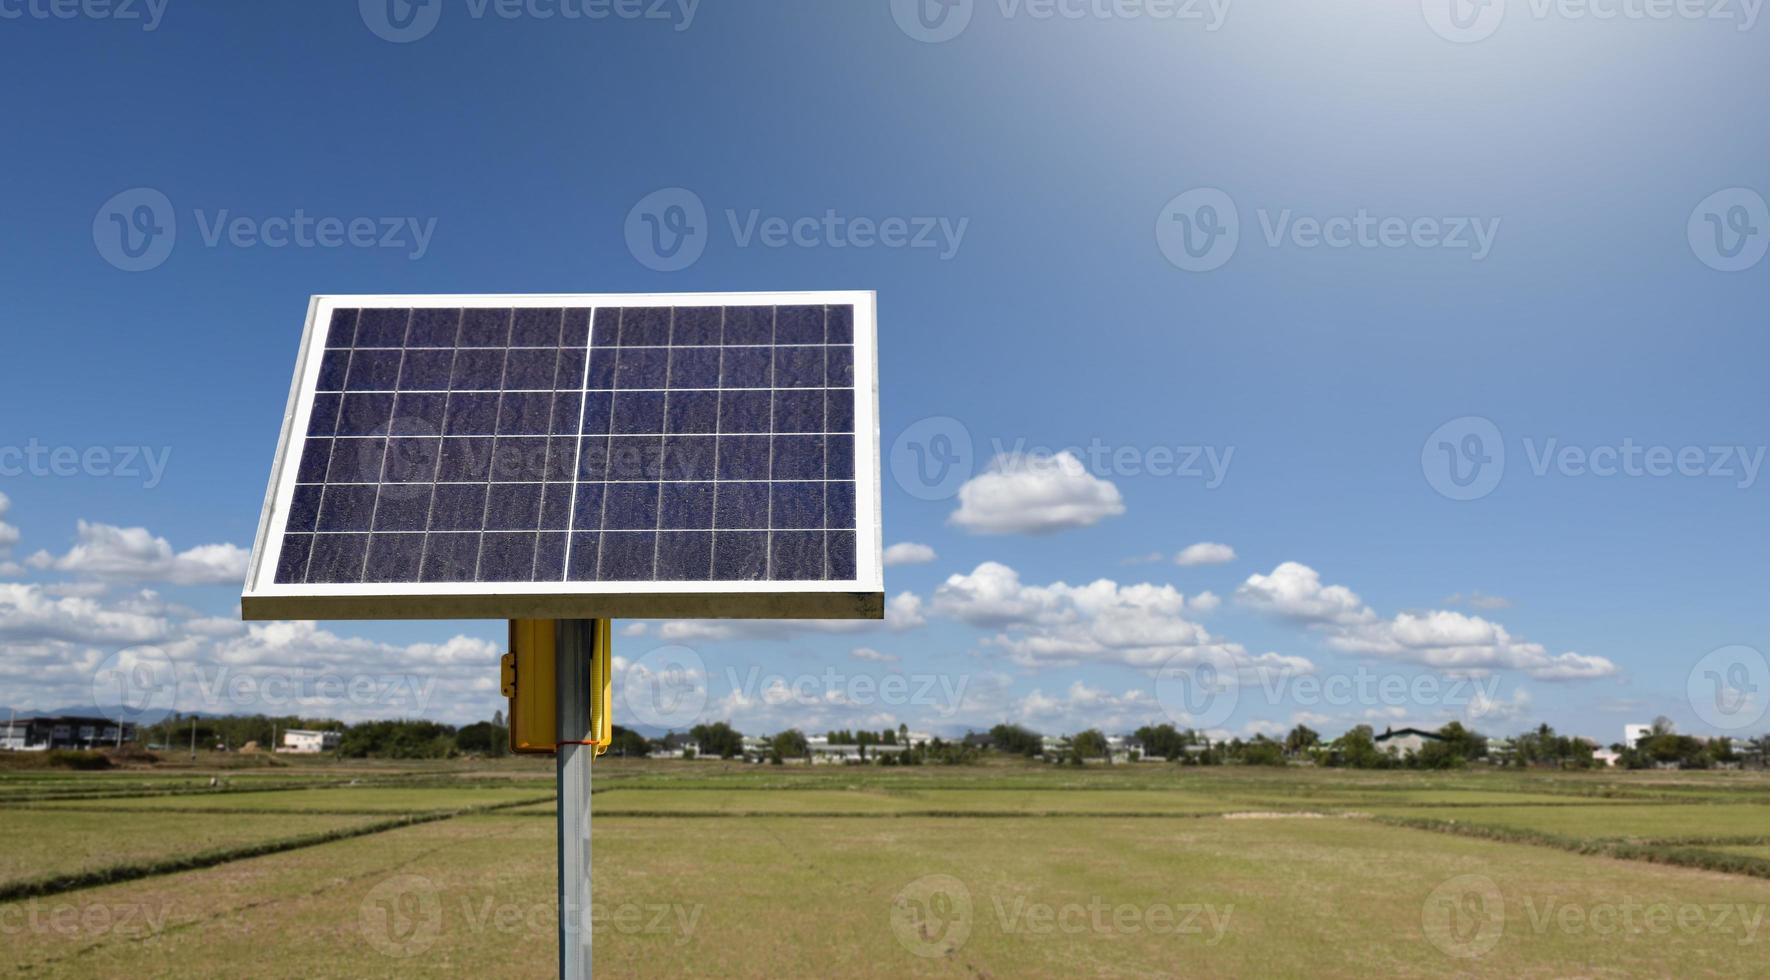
1405 741
63 732
1606 757
299 741
1633 734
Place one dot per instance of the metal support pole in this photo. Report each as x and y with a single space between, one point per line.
572 654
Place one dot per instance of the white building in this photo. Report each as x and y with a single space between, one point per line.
1606 757
1633 734
1405 741
303 742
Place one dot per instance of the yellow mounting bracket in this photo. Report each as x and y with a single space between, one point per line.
527 679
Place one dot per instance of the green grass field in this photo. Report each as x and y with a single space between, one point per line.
708 869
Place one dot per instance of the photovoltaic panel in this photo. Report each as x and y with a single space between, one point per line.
692 455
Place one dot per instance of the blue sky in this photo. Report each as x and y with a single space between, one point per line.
1551 228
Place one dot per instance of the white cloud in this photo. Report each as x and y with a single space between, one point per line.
31 612
873 656
1020 493
1205 553
135 555
1484 708
1082 707
1450 641
909 553
9 537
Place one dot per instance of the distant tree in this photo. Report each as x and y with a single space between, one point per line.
1015 740
1462 742
628 743
1090 744
790 744
1301 739
718 739
1261 751
483 738
1162 741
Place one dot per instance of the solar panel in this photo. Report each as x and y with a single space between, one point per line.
577 456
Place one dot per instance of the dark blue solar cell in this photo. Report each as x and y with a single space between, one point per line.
292 561
513 507
693 411
687 506
465 461
382 327
403 508
684 556
839 457
799 410
472 414
607 330
689 457
342 330
485 328
749 325
525 413
527 370
744 411
697 325
642 367
450 557
740 556
839 324
645 326
323 420
374 370
570 374
556 507
798 324
410 460
635 458
628 556
576 331
337 558
568 412
562 458
316 456
427 370
839 505
478 369
797 555
458 507
841 555
394 558
746 367
520 458
639 412
798 458
799 367
550 557
631 506
434 328
694 367
839 410
587 509
741 505
536 327
600 374
419 414
743 457
797 505
840 367
581 563
507 557
334 368
304 508
356 461
599 409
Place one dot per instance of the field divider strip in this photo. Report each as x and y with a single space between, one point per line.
1630 849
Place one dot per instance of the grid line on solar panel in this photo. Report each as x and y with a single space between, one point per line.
779 442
